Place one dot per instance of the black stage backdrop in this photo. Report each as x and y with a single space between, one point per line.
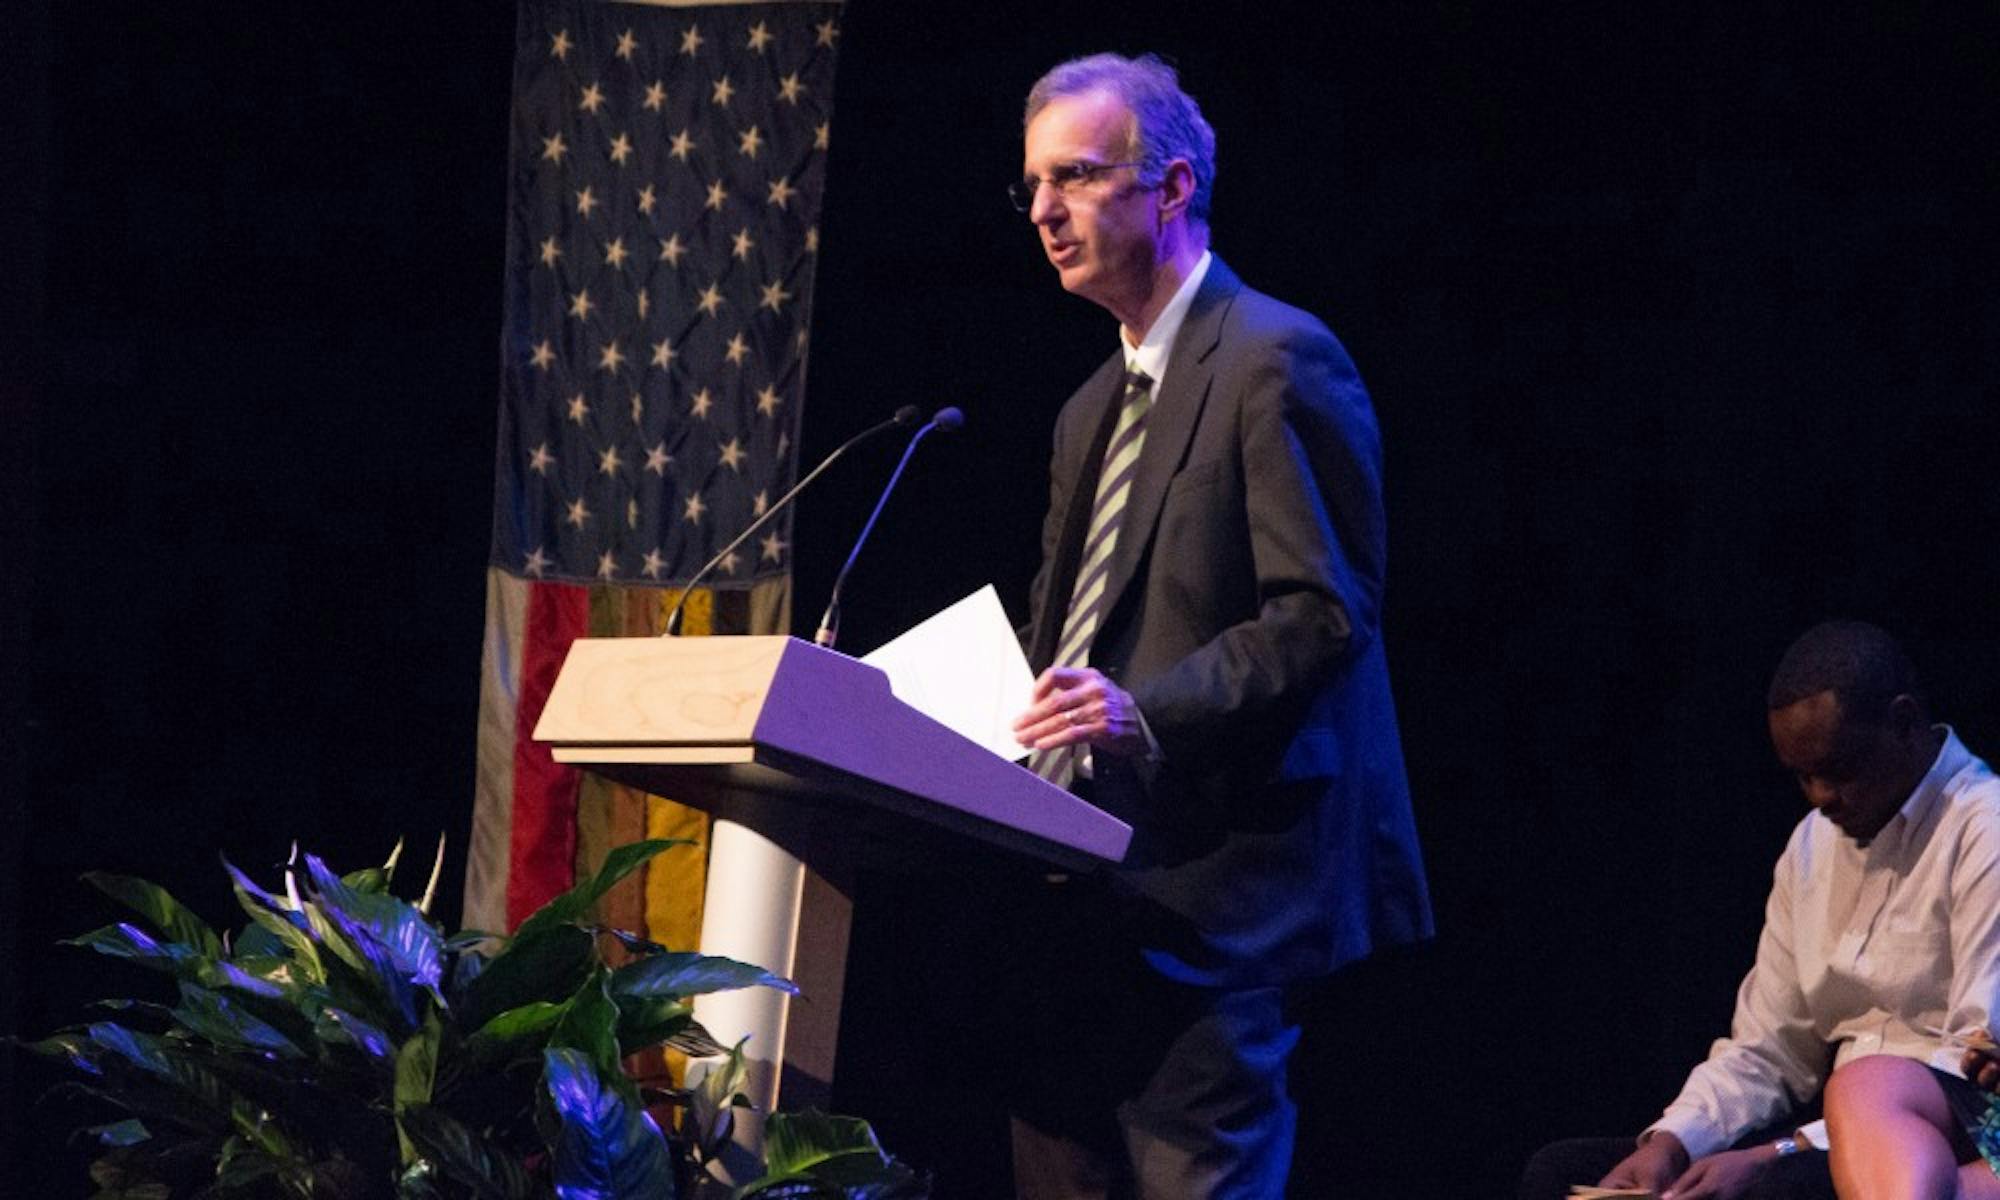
1680 325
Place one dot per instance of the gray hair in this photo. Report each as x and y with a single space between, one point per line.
1167 123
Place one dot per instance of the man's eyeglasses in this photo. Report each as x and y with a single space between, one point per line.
1064 179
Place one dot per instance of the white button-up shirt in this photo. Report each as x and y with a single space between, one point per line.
1866 950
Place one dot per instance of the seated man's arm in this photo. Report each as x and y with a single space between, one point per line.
1772 1060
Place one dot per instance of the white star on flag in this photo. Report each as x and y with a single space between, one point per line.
774 546
638 125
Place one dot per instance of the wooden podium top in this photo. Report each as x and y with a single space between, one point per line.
777 732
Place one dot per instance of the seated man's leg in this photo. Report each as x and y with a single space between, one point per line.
1895 1136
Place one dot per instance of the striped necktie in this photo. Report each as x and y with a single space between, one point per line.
1087 600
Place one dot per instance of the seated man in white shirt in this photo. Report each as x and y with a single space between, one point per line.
1880 950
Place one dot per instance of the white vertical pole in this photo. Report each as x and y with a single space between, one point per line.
750 912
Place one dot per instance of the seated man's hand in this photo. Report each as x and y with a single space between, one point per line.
1080 704
1725 1176
1981 1061
1655 1165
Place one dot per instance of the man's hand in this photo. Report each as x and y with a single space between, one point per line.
1074 705
1655 1165
1981 1061
1724 1176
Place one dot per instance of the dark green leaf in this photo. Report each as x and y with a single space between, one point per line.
632 942
416 1071
548 965
280 921
646 1021
341 1027
796 1142
527 1021
230 1024
76 1049
128 941
577 904
609 1149
121 1133
160 908
465 1157
812 1154
712 1099
687 974
413 943
589 1023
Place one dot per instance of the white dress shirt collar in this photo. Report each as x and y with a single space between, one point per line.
1150 355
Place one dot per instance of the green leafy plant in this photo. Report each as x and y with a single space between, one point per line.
342 1046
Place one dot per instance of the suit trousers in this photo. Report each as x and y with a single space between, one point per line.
1127 1085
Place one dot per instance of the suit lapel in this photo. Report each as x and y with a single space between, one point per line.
1170 425
1094 412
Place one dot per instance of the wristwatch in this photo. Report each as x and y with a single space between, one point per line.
1786 1146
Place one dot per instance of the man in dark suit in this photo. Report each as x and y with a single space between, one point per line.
1207 627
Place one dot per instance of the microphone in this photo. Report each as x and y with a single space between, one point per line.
905 417
948 420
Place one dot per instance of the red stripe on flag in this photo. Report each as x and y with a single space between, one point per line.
542 856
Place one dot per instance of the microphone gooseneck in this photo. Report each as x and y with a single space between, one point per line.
905 417
948 420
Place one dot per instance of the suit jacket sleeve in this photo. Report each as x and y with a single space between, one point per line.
1310 467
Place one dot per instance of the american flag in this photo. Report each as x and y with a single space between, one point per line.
663 198
666 171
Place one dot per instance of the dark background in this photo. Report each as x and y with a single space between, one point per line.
1680 324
